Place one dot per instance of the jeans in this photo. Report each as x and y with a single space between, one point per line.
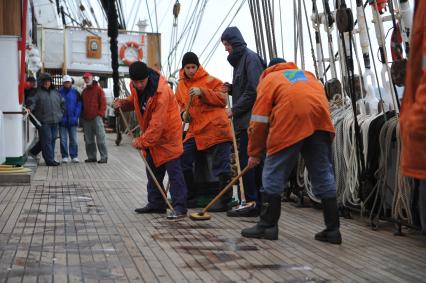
70 132
252 180
95 128
178 188
316 151
46 144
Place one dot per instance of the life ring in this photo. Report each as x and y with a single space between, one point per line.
131 44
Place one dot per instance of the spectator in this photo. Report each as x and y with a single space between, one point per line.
47 106
94 107
69 123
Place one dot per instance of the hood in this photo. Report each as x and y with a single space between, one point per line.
279 67
234 37
198 75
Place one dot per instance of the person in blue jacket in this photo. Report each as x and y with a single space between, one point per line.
69 123
248 66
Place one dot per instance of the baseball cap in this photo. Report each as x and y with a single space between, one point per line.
87 75
66 78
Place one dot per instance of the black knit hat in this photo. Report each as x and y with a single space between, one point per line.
190 58
138 71
275 61
45 77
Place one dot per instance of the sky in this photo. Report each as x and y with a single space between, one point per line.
160 11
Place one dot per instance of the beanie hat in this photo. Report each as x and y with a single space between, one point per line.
138 71
45 77
190 58
275 61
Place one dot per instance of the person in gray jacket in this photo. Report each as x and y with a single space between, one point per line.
248 66
47 105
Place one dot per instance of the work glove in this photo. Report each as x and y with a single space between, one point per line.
137 143
195 91
186 118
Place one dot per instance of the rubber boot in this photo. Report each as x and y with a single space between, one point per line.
331 219
267 227
222 204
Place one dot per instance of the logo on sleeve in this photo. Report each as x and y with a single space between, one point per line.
295 76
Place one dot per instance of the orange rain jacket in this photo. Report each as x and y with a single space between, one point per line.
209 123
413 109
291 105
160 123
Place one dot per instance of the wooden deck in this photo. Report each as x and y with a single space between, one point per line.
75 223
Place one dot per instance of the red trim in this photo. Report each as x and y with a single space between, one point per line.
21 47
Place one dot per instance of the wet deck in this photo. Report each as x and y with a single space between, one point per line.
75 223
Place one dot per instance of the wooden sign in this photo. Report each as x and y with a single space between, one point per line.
93 47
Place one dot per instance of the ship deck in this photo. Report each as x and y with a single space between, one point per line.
75 223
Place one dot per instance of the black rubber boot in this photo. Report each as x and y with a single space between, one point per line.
267 227
331 219
222 204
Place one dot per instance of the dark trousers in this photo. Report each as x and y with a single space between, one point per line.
422 204
252 180
221 160
46 144
178 189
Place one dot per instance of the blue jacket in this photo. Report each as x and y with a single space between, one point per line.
248 66
72 107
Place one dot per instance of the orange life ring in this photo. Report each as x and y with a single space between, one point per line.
131 44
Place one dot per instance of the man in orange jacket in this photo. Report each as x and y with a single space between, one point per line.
158 116
209 126
413 110
291 116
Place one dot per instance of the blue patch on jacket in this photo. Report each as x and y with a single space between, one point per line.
295 76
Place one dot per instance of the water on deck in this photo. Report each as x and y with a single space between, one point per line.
75 223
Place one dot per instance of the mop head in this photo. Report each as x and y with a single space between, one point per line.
199 216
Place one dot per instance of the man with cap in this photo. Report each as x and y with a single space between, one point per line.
248 67
161 140
94 107
47 106
69 123
209 127
291 116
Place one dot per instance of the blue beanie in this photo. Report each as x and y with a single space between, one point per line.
275 61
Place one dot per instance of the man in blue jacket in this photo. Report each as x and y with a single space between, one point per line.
248 66
69 123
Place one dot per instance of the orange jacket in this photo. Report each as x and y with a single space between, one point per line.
290 106
413 109
160 123
209 123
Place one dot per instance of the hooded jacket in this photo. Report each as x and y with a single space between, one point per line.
413 108
94 102
160 121
209 123
248 67
72 107
291 105
47 105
